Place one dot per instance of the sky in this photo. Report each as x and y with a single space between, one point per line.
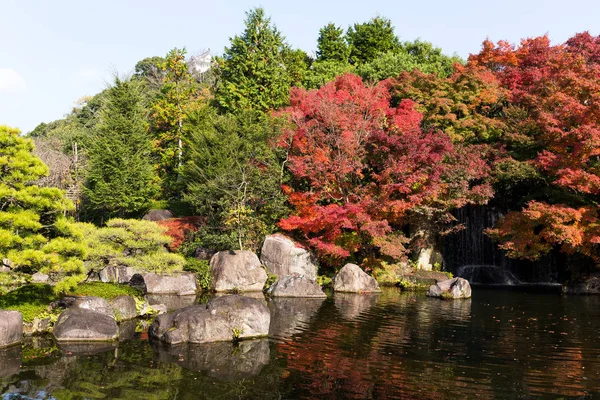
53 52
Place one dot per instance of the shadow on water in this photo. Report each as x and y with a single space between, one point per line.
499 344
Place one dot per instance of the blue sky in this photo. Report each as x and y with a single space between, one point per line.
53 52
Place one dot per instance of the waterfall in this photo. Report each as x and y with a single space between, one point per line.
471 254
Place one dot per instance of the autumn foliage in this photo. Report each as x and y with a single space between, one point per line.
180 228
363 168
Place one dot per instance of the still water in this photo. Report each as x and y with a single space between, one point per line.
497 345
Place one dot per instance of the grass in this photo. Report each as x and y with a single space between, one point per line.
105 290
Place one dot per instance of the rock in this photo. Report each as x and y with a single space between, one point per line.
225 361
154 309
591 285
11 328
282 257
38 277
127 330
237 270
222 319
457 288
428 258
91 303
116 274
124 308
181 284
351 305
351 278
290 316
38 325
296 286
171 301
158 215
202 253
10 363
77 324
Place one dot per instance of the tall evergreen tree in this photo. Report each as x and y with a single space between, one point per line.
369 39
253 69
331 44
120 175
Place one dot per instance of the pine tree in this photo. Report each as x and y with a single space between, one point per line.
120 177
331 44
253 69
369 39
35 234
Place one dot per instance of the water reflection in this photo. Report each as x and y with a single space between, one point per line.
85 349
223 360
351 305
10 361
291 315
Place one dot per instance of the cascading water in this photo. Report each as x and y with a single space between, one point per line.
471 254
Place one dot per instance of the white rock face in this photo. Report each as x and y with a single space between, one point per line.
351 278
182 284
11 328
282 257
296 286
457 288
237 270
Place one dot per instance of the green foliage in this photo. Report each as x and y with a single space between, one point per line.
370 39
120 176
202 270
271 279
331 44
31 300
131 243
253 71
324 280
234 179
105 290
35 234
322 72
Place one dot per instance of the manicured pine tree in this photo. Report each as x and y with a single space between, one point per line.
120 176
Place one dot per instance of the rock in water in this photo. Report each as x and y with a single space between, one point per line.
457 288
282 257
222 319
296 286
591 285
351 278
237 270
90 303
11 328
181 284
77 324
124 308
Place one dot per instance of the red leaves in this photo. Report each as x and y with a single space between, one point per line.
361 165
179 228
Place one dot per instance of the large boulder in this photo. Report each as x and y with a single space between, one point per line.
77 324
222 319
11 328
124 308
90 303
296 286
158 215
351 278
457 288
591 285
237 270
116 274
282 257
181 284
171 301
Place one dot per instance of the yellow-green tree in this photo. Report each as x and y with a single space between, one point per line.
35 233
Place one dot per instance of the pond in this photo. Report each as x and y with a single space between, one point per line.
499 344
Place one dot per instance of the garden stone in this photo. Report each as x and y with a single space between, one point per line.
296 286
171 301
38 277
181 284
116 274
457 288
282 257
591 285
124 307
237 270
351 278
158 215
11 328
225 318
77 324
91 303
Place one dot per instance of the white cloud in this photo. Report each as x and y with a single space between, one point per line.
88 74
11 81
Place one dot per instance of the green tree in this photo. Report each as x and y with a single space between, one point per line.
178 96
331 44
369 39
234 179
253 72
35 234
120 175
